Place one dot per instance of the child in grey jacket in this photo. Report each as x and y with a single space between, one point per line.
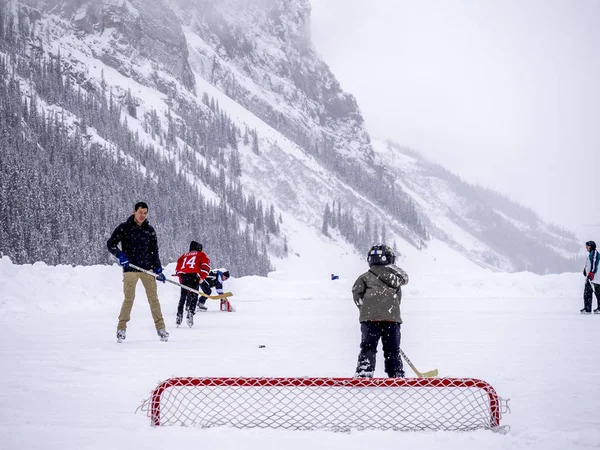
377 295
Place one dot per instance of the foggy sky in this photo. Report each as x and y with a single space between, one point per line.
504 93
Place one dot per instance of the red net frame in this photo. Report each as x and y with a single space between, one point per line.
338 404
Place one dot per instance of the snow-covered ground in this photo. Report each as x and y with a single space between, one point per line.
67 384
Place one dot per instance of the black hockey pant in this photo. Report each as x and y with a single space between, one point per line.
371 332
587 295
206 289
187 298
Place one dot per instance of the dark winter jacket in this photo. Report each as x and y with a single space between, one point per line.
377 293
137 242
215 280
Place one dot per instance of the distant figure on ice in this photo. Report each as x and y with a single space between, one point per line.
215 279
192 269
592 279
377 295
334 277
140 247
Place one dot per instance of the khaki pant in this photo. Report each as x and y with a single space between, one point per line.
130 280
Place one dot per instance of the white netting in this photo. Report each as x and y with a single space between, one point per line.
327 403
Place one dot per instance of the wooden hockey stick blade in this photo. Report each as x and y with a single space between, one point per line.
431 374
216 297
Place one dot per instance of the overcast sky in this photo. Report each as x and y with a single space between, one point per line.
504 93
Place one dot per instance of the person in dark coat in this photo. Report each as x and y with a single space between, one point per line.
139 246
215 280
377 295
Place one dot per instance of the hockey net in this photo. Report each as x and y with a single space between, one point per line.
338 404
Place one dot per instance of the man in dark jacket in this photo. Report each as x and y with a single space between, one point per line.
377 295
140 247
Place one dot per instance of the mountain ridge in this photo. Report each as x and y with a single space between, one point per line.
298 163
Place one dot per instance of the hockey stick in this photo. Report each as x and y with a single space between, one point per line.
431 374
212 297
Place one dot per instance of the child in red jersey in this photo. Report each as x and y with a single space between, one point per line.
192 268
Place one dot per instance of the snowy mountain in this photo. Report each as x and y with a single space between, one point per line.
480 223
222 116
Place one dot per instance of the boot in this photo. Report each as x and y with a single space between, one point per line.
363 374
178 319
190 319
120 336
584 311
597 310
365 368
399 374
163 335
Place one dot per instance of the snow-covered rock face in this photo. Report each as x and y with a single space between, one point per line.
258 52
136 37
261 55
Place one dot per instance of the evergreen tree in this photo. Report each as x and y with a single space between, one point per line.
326 220
255 147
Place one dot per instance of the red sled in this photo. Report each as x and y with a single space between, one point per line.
226 305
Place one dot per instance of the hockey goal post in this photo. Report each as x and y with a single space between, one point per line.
338 404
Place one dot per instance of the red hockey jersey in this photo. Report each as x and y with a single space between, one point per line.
193 262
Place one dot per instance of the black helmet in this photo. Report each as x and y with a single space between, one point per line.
592 244
224 272
381 255
195 246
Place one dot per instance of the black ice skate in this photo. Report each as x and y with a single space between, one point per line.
584 311
178 319
190 319
597 310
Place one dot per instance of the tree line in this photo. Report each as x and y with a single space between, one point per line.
72 169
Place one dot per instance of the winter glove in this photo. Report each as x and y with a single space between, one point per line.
123 260
161 276
591 276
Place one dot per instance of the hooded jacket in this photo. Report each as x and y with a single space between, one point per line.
377 293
